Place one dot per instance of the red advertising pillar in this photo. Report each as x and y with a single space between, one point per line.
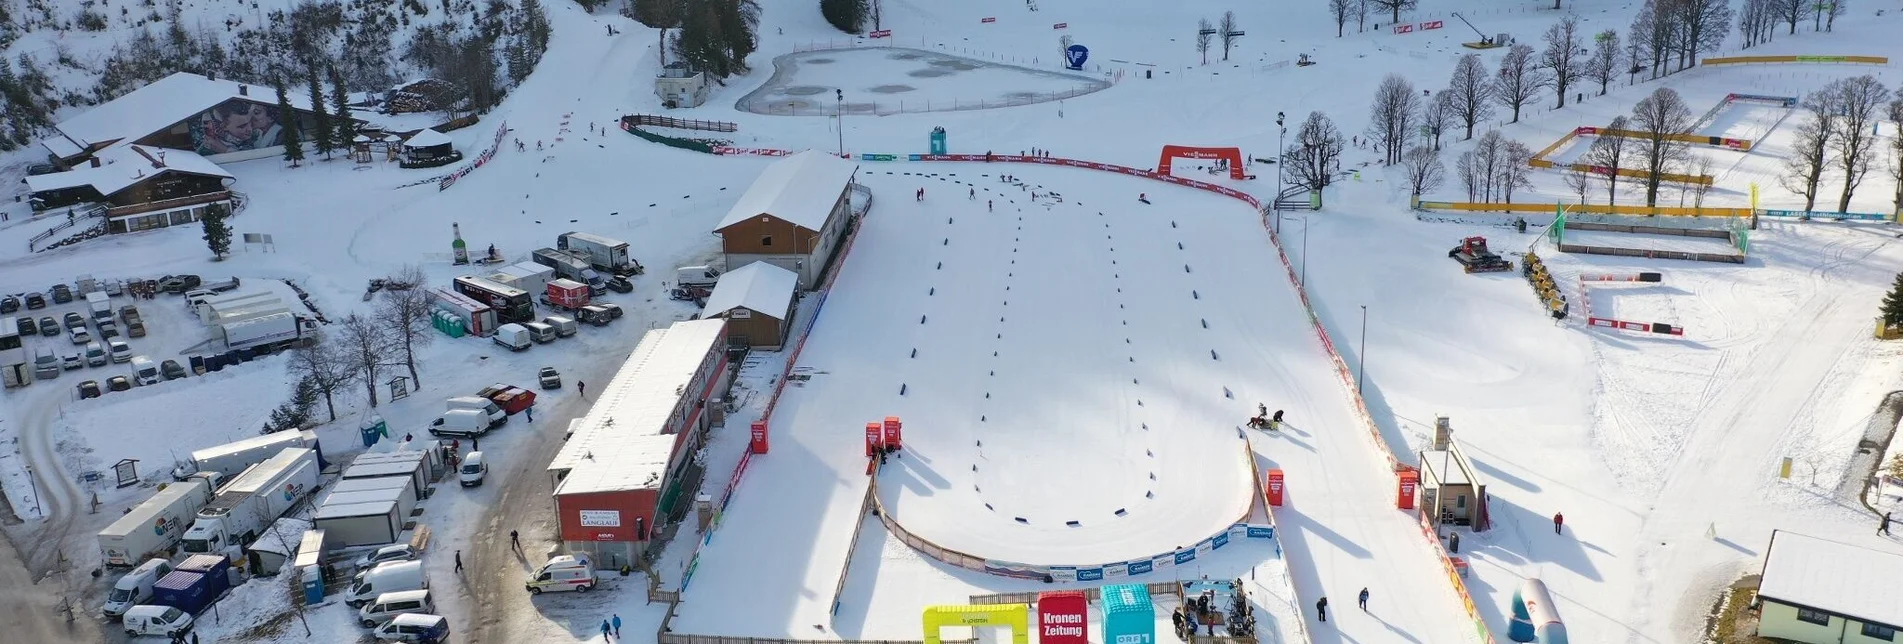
872 439
1063 617
1404 492
892 432
759 437
1273 488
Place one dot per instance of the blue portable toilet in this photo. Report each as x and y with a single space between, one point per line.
372 429
1128 616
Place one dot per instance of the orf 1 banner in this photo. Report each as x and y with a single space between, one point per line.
882 33
1075 56
1063 617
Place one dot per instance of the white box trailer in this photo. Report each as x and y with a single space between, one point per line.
231 459
250 311
366 517
273 331
528 276
247 505
155 525
410 466
211 308
478 319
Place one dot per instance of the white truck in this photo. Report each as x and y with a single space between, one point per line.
572 265
528 276
231 459
273 331
245 506
603 253
158 523
100 305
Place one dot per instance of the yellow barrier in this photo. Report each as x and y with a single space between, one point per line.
1597 209
1759 60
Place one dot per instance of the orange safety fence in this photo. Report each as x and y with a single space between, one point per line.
1759 60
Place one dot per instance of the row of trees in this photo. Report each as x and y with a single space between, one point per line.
1838 133
366 349
712 36
332 126
1228 32
1759 19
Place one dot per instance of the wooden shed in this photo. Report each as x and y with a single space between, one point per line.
793 216
757 301
1450 489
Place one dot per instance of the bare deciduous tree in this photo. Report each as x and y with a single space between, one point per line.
1316 157
1563 56
1701 27
1514 169
1831 9
1700 167
1792 11
1229 31
1606 156
1580 179
1390 117
1470 93
1810 148
1435 114
1489 155
1603 66
366 348
1341 11
1757 22
1896 149
1394 7
1658 118
1519 79
405 314
1425 172
1472 176
327 368
1205 34
1860 101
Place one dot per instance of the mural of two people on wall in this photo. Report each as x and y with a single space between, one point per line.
236 126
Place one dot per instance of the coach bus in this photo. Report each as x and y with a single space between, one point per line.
510 303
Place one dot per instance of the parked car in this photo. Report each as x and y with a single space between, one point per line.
96 355
75 321
153 619
79 335
472 470
9 304
89 389
176 284
48 326
398 552
72 361
620 284
413 627
62 293
27 327
171 370
119 383
614 310
35 301
121 352
128 312
551 379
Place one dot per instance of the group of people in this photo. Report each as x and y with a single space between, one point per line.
1201 611
1262 419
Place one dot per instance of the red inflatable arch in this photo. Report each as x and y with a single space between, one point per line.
1234 156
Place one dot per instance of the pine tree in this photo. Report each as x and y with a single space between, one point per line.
1893 304
322 135
293 149
217 232
344 124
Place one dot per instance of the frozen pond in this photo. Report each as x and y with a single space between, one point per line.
888 80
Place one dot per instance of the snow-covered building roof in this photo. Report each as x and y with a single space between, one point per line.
1838 578
291 528
348 510
620 444
124 166
759 286
155 107
370 484
800 189
427 138
1444 467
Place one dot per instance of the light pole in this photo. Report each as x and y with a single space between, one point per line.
839 113
1362 368
36 492
1275 202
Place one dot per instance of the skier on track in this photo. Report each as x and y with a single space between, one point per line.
1143 198
972 194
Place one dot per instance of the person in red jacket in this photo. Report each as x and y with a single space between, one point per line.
1559 520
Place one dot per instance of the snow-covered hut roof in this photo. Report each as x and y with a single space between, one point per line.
155 107
620 444
122 166
427 138
1833 577
759 286
800 189
293 530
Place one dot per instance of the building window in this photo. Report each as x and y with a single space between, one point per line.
1879 631
1460 501
766 240
1815 617
181 216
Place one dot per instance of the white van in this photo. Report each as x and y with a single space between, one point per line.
136 586
414 627
121 352
157 620
497 417
96 354
473 469
387 577
541 333
145 371
514 336
389 605
564 326
461 423
566 572
703 276
101 308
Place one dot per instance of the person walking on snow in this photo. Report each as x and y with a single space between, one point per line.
617 623
1883 528
604 631
1321 608
515 540
459 562
988 206
530 410
973 194
1559 520
1364 600
581 388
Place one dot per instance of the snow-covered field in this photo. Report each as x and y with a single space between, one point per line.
892 80
1662 452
